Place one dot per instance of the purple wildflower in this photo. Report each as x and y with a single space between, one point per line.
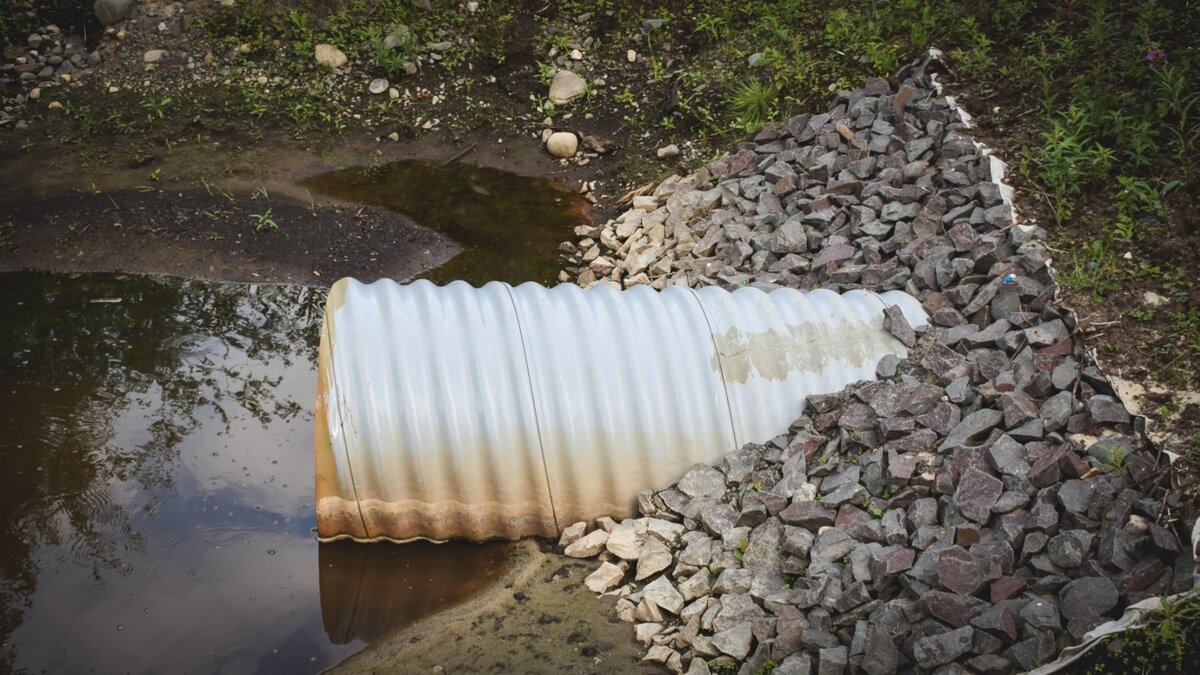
1156 56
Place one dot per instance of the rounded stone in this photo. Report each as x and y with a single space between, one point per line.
329 56
378 86
566 87
109 12
562 144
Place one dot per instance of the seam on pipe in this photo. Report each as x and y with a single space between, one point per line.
737 441
537 418
341 420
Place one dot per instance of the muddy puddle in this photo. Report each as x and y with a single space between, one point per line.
156 487
509 226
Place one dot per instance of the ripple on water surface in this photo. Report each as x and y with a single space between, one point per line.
156 499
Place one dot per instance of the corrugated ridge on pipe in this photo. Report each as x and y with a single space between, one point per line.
501 412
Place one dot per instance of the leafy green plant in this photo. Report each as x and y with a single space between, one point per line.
766 668
301 32
712 26
1176 106
1138 196
975 60
1092 270
97 192
391 50
263 221
754 104
1118 464
739 551
1071 157
1169 635
1141 314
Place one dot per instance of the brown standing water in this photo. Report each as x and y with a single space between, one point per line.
509 226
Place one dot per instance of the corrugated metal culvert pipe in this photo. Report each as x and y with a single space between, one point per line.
501 412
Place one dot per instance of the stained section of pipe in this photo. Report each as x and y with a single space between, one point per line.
501 412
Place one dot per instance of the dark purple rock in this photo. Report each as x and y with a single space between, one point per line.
808 514
880 656
1116 549
1164 539
1107 410
952 608
1079 627
1047 333
1075 495
815 638
990 664
896 427
890 561
958 571
1141 467
1141 576
901 467
920 398
1033 430
977 492
831 546
822 403
971 427
831 254
858 524
1018 409
986 643
942 361
1000 620
942 418
1088 597
1008 457
895 323
849 493
1035 650
797 541
960 392
832 660
718 519
1056 410
1013 526
1069 549
997 551
963 236
887 366
857 417
1041 614
1118 511
935 650
1046 470
923 512
854 596
1005 588
973 457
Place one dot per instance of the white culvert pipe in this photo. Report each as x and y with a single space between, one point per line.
501 412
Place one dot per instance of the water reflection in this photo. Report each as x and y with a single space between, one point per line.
368 591
156 493
510 226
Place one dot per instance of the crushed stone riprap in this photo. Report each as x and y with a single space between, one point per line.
981 506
